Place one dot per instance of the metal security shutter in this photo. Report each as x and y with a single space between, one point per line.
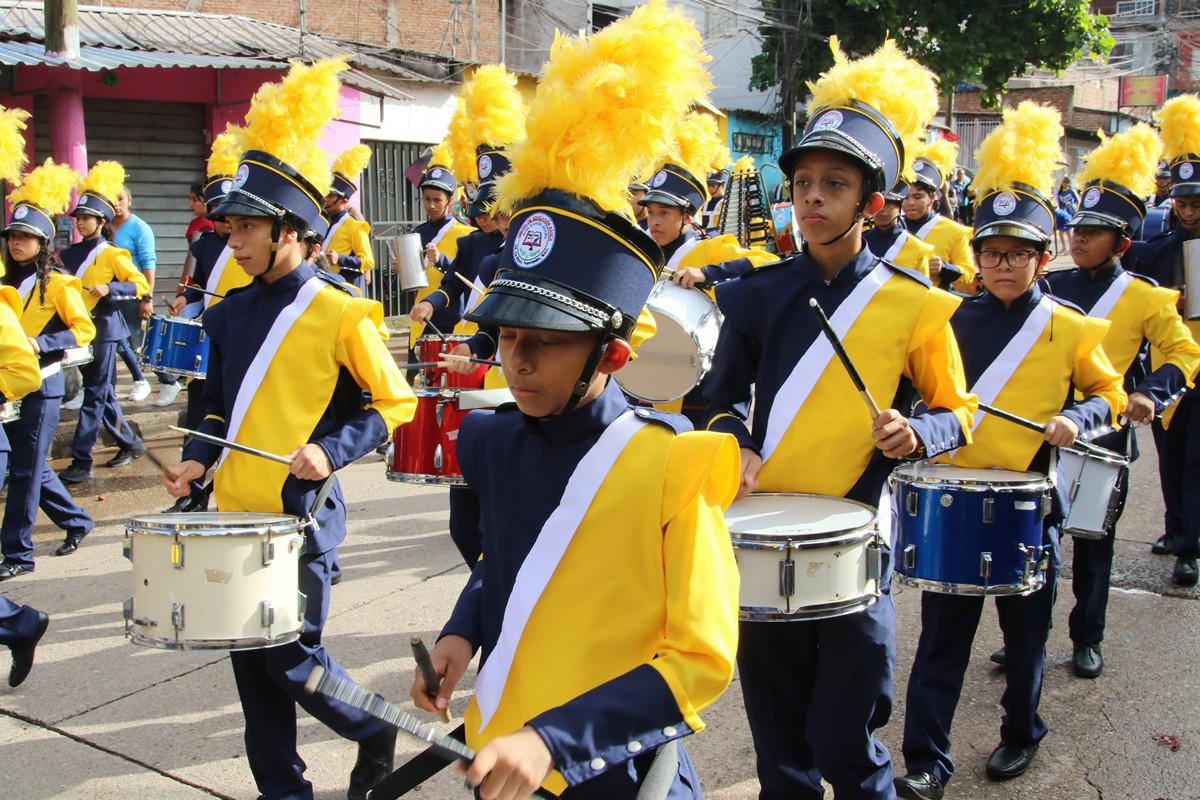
393 206
163 149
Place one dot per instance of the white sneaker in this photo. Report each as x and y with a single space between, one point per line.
140 391
167 393
74 404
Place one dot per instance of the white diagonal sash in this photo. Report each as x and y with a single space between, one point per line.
1112 294
679 255
543 558
928 227
335 226
91 258
799 384
266 353
442 231
477 290
26 288
214 277
893 252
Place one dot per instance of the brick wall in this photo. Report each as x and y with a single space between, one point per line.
419 25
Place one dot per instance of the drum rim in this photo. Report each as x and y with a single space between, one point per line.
178 320
1037 582
828 539
287 524
872 527
699 372
184 373
248 643
900 475
810 613
422 479
1115 458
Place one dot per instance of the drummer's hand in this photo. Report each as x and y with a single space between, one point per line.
894 435
367 278
176 305
333 256
1140 408
935 266
431 252
450 658
1061 431
181 475
421 312
37 348
688 277
146 308
310 463
511 767
460 365
99 290
751 465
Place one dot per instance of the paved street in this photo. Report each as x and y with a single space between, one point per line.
101 718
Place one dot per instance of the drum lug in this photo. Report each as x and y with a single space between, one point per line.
985 567
162 329
1074 489
911 503
266 614
437 457
301 605
1047 505
787 578
127 547
203 334
989 510
157 357
199 361
177 554
177 616
874 561
131 620
268 552
910 556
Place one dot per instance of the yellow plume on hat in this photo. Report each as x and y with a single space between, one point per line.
744 164
48 187
352 162
458 140
105 178
226 151
887 80
495 109
286 118
698 144
1179 121
607 106
1129 158
1024 149
441 156
942 153
12 143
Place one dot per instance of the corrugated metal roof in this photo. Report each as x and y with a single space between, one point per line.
112 37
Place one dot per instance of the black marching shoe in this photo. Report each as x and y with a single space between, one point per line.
1000 658
1088 663
376 757
9 569
69 545
126 455
919 786
76 473
1010 760
1163 546
1185 573
22 653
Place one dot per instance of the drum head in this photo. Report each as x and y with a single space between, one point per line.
211 523
796 516
666 366
946 473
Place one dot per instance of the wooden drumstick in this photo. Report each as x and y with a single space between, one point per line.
433 681
1036 426
240 448
195 288
463 278
844 357
472 359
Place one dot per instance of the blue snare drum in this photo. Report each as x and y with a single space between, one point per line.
969 531
1157 220
176 346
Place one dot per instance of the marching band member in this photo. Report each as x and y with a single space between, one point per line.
637 190
348 243
711 213
585 680
55 318
291 356
951 264
1162 187
1116 176
806 724
1177 432
1025 353
891 241
109 278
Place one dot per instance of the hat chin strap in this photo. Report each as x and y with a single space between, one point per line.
276 230
585 377
858 214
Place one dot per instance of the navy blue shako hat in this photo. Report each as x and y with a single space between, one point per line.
569 266
675 186
856 130
438 177
265 186
491 163
341 185
96 205
1185 175
28 217
1021 212
1108 204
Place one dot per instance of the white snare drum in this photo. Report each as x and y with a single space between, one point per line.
10 411
1191 279
77 356
672 362
804 556
214 581
1090 490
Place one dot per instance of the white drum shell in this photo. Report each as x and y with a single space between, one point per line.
77 356
832 545
10 411
672 362
1191 279
410 262
1091 483
222 596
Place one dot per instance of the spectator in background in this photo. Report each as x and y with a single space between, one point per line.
135 235
1068 201
966 212
200 223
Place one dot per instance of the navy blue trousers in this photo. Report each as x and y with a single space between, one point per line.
100 406
17 623
33 485
1179 474
948 625
464 524
270 684
815 693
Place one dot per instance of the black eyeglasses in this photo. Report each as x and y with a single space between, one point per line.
1016 259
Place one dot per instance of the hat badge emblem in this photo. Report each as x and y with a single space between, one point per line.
485 166
659 179
830 119
21 212
534 241
1004 204
1186 170
1092 197
243 174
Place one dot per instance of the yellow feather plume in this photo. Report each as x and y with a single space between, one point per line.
48 187
441 156
495 109
352 162
698 145
226 151
286 118
1179 121
105 178
458 140
743 165
942 153
607 106
1024 149
12 142
1129 158
887 80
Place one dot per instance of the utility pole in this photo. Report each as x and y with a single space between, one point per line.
474 32
62 28
503 27
303 24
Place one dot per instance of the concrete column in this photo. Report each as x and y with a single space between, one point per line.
68 135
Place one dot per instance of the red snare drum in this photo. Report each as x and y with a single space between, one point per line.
425 450
430 349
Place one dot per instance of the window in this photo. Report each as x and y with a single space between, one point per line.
750 142
1135 8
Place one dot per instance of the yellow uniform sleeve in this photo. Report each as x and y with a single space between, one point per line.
963 257
1167 334
19 371
126 271
1093 374
362 246
935 365
69 305
360 349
